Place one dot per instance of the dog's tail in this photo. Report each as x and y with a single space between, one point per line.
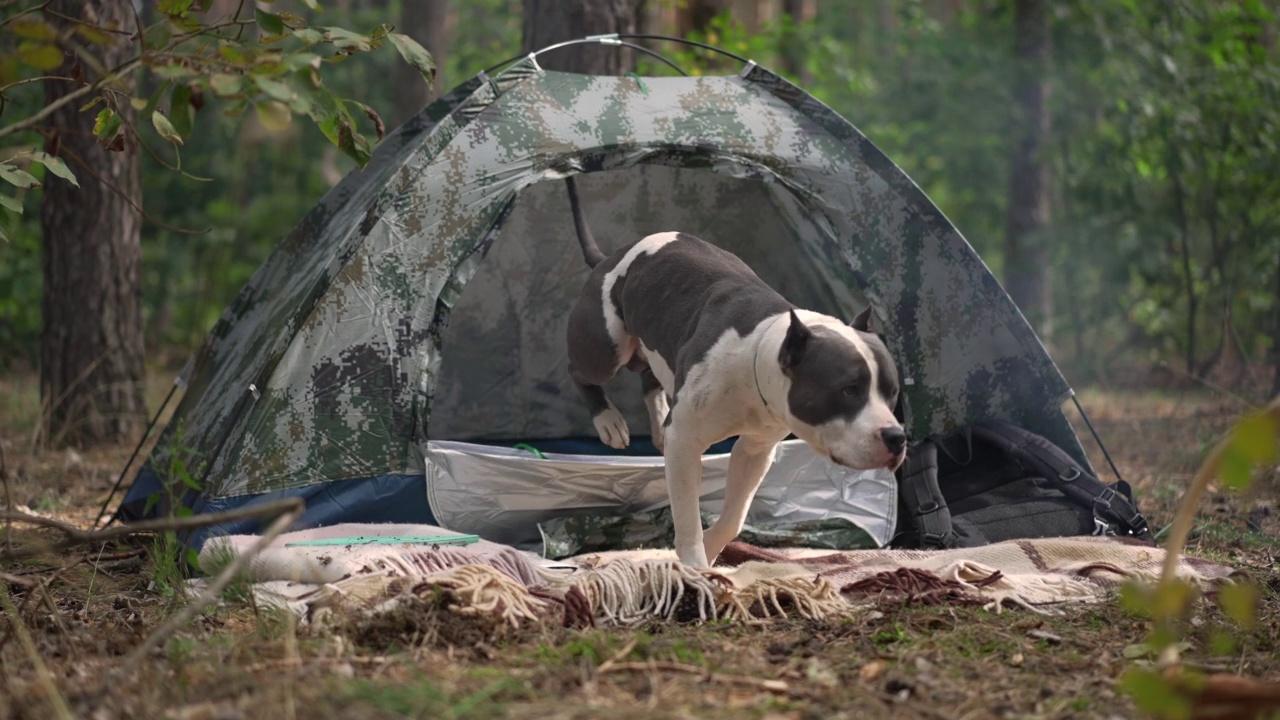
590 251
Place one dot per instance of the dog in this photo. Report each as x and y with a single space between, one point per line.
719 354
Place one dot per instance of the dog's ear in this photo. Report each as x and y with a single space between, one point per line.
794 344
862 322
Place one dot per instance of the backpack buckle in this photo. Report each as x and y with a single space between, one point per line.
942 542
1103 500
1072 474
1101 527
929 507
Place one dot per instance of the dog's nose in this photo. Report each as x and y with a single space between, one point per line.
894 439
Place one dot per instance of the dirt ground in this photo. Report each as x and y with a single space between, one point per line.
83 611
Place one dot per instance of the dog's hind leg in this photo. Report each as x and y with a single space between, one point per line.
610 425
655 400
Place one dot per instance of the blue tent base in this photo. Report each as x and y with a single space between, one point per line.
380 499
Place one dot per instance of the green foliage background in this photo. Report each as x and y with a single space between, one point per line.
1165 177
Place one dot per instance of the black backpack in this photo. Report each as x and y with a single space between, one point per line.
993 481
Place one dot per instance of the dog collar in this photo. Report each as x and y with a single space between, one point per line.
755 364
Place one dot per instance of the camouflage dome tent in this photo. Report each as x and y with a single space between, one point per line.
399 354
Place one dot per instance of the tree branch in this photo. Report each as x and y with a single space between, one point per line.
28 11
98 84
75 536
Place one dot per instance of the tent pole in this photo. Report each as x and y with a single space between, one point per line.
1097 439
134 456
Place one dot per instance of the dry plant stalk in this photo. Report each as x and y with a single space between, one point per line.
291 510
1182 520
61 709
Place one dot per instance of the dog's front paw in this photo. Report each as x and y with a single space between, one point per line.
694 556
612 428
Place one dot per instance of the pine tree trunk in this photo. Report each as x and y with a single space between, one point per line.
1026 257
431 23
696 15
91 353
794 49
547 22
1275 339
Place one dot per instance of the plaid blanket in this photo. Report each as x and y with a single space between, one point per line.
749 584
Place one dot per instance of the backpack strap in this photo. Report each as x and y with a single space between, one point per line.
1058 467
922 499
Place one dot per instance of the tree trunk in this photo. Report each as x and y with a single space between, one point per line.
1275 339
91 352
1184 251
794 49
1026 257
547 22
430 22
696 15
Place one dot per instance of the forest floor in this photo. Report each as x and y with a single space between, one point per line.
83 611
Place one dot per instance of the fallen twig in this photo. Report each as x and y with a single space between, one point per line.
625 651
774 686
76 536
289 510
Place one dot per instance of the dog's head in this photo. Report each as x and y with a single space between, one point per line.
843 386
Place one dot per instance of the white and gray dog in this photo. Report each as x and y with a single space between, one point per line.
720 353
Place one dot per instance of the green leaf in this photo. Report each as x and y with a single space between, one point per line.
414 54
353 143
272 24
17 176
165 128
1222 644
11 203
301 61
56 166
4 236
39 55
1240 602
273 114
1152 693
347 40
175 71
33 28
181 113
1236 471
107 124
173 7
311 4
235 53
275 89
93 35
308 36
225 85
157 36
1256 438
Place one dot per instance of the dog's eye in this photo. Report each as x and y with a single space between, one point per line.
850 390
